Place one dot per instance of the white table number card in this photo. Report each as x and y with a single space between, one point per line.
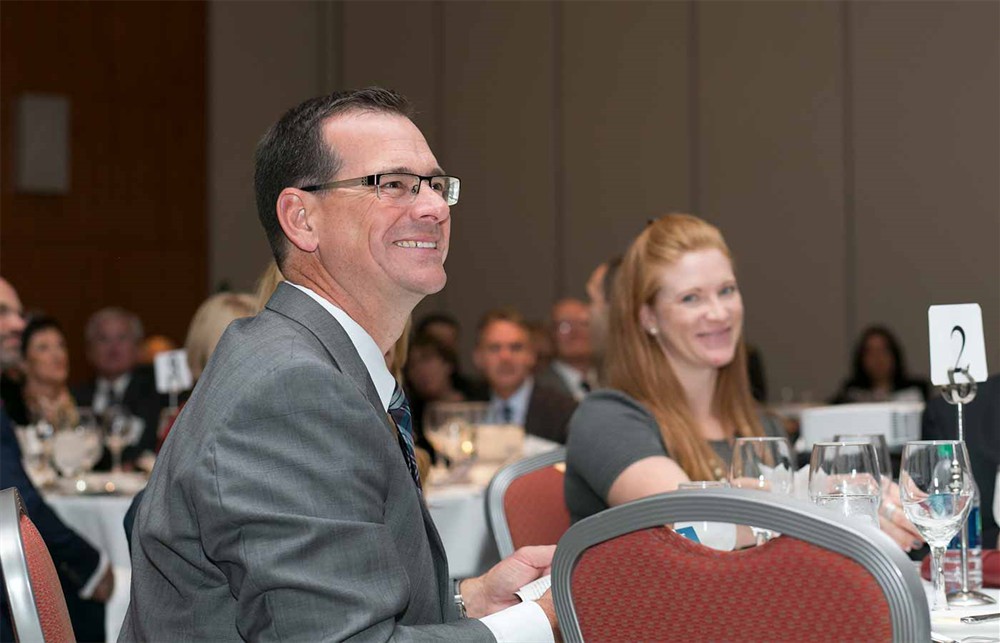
172 372
956 337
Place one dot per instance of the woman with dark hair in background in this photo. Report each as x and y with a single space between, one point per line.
879 372
45 362
428 377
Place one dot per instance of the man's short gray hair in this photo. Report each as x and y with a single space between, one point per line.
114 312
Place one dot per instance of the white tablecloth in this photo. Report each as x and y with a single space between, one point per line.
948 622
99 520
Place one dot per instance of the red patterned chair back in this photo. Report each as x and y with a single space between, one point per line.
525 502
37 605
621 576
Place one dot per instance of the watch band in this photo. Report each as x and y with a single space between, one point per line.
459 601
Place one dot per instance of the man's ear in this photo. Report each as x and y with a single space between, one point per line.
295 217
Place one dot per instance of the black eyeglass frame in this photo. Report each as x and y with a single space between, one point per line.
372 180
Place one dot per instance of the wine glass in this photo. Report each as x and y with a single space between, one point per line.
935 485
118 434
881 452
450 427
765 464
844 476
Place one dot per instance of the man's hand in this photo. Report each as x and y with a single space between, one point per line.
894 522
104 588
494 590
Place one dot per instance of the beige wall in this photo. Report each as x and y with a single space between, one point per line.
849 151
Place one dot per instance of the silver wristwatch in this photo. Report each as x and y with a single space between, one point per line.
459 602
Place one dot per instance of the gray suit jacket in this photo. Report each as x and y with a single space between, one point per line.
281 508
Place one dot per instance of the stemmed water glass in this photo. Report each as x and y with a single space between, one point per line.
450 427
118 432
765 464
935 485
845 477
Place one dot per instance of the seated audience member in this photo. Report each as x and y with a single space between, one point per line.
678 392
428 378
600 285
981 424
505 358
879 372
572 368
45 362
113 339
84 572
286 504
446 330
541 344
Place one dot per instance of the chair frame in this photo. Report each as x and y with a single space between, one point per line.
869 547
498 487
23 609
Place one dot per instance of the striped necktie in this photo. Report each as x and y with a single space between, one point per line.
399 410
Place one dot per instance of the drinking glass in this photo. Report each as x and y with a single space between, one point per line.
765 464
844 477
935 485
77 448
881 452
450 427
118 434
717 535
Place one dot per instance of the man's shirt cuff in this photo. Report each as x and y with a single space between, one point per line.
521 623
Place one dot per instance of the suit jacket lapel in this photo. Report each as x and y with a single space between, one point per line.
296 305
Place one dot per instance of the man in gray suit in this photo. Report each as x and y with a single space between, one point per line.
286 503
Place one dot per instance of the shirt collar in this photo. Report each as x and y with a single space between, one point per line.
116 386
369 351
518 401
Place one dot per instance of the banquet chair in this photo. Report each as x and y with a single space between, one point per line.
621 575
37 606
525 503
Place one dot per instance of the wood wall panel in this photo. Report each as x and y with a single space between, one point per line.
771 148
625 127
927 101
132 230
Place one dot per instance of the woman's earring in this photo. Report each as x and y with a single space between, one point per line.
653 331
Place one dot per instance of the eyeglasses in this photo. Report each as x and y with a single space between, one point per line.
400 187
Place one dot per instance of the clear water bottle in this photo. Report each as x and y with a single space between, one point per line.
953 555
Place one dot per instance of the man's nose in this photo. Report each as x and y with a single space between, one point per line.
429 204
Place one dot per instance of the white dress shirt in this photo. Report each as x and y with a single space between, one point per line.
522 622
574 379
108 390
517 402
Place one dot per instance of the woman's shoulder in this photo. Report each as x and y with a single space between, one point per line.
610 401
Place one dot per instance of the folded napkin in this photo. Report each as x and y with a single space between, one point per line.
991 568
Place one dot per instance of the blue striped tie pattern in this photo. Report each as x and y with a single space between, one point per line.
399 410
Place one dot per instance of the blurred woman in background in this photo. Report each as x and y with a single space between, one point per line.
879 372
